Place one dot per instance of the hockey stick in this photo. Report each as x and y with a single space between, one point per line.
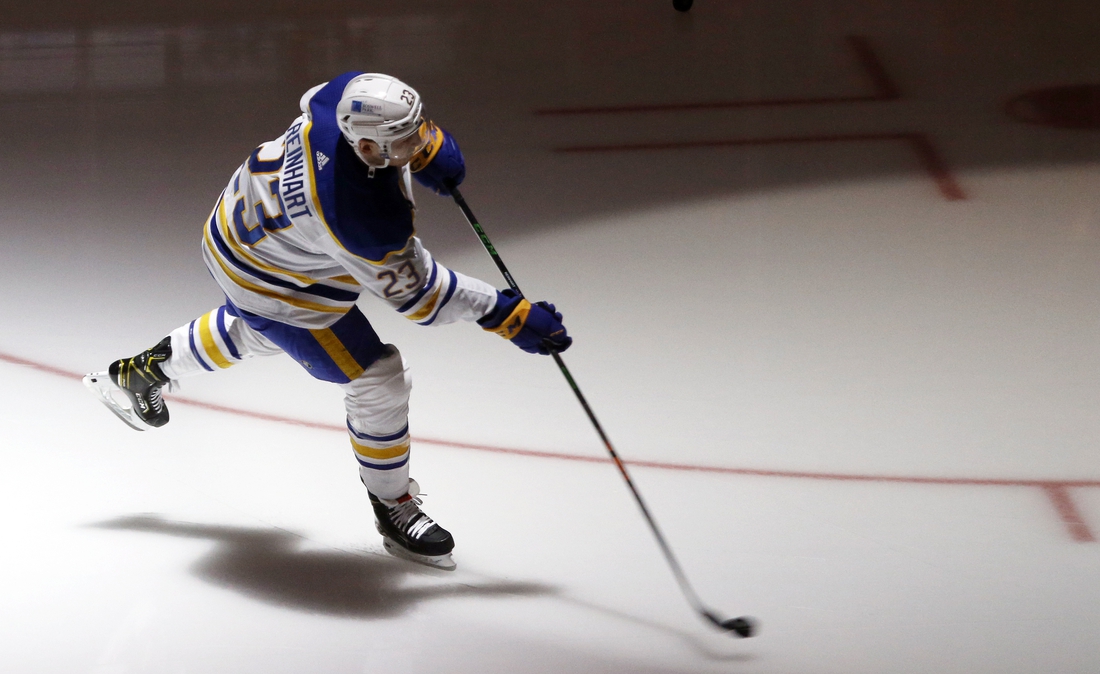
743 626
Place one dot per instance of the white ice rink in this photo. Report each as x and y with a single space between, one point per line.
861 379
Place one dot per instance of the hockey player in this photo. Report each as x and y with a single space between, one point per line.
305 225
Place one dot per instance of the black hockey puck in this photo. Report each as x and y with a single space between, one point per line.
682 5
743 627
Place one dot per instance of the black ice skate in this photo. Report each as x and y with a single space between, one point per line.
409 533
140 379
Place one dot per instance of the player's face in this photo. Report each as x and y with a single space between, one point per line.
401 150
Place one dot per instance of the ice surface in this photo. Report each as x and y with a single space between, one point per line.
810 309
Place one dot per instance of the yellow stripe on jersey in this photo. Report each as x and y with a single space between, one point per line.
337 352
260 290
308 159
379 454
238 248
426 310
209 344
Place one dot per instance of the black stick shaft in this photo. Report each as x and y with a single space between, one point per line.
681 579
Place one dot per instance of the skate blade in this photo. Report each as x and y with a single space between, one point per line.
442 562
100 384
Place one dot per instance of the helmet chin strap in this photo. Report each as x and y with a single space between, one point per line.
384 152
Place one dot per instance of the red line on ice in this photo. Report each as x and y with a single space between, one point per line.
1067 510
885 89
921 145
1056 490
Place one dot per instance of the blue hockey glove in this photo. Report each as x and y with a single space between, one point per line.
535 328
440 163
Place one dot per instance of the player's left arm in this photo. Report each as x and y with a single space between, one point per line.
450 296
428 293
420 288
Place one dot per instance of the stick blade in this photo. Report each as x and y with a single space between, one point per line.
743 627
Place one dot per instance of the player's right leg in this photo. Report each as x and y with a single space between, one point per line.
377 403
376 382
216 340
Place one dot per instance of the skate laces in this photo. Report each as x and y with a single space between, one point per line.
154 397
410 518
155 391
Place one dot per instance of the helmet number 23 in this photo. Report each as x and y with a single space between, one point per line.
407 96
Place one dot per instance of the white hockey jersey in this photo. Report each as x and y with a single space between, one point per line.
304 226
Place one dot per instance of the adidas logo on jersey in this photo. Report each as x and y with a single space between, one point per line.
321 160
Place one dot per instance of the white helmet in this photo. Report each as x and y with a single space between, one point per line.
379 108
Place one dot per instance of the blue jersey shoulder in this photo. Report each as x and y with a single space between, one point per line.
324 138
368 215
373 217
